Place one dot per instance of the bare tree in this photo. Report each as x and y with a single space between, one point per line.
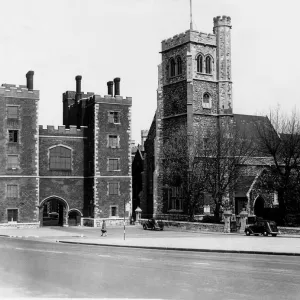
182 169
226 150
209 164
280 139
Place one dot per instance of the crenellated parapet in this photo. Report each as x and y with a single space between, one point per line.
188 36
222 21
112 100
63 130
21 91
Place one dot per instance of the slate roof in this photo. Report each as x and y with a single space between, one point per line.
243 185
246 124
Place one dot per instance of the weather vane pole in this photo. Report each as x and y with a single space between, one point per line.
191 16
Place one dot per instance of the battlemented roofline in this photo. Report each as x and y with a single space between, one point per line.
196 36
112 99
21 91
187 37
73 130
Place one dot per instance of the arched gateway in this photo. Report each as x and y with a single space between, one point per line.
54 211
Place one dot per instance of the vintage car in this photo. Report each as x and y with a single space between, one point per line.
53 215
153 224
263 227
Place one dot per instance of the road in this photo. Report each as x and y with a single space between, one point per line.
43 269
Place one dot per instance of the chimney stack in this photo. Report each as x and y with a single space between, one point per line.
110 88
29 77
117 86
78 88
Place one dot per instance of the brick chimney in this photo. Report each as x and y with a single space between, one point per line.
29 77
117 86
110 85
78 95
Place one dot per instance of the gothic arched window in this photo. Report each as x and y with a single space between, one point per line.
208 65
172 67
60 158
200 63
179 66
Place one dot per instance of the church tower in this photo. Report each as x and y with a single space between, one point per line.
194 90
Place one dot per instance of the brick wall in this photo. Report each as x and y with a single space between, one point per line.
22 177
106 201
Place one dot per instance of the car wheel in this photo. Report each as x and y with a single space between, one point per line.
274 234
145 227
248 233
265 233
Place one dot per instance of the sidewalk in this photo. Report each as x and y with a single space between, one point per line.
165 240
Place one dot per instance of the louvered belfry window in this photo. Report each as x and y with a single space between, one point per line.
200 64
172 67
208 65
60 158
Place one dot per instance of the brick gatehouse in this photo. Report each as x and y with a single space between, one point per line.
80 169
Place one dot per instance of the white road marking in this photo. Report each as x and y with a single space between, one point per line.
200 263
104 255
37 250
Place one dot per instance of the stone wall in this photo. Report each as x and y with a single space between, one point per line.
191 226
289 230
20 225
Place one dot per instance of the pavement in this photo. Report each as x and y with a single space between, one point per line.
168 239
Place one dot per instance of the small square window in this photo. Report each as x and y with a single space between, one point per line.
13 136
12 191
12 112
12 161
114 117
113 164
113 188
113 141
12 215
113 211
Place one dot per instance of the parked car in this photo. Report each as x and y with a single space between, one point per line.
153 224
263 227
53 215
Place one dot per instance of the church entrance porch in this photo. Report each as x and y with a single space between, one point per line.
54 212
259 206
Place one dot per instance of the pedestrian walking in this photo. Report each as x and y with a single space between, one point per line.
103 229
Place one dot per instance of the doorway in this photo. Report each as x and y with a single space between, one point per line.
53 212
74 218
259 207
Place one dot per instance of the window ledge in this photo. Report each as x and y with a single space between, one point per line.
114 217
201 73
175 76
64 170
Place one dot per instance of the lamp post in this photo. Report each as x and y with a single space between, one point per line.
124 218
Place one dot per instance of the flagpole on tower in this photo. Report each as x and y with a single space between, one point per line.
191 16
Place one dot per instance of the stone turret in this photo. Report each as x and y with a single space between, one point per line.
222 28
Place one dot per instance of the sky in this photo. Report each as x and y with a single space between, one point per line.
104 39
